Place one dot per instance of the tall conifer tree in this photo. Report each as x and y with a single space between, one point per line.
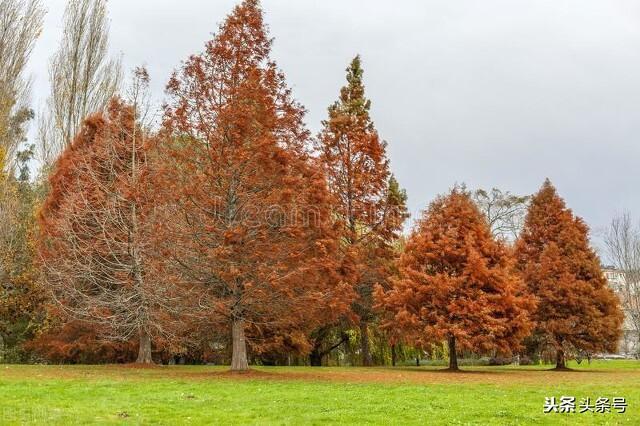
367 200
251 222
95 233
457 284
576 311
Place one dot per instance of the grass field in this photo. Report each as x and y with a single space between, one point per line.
302 395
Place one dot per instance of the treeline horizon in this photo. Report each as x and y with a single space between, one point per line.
230 234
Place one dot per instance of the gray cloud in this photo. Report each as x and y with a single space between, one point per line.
491 93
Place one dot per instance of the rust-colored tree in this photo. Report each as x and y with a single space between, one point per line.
95 233
63 340
576 311
457 284
368 203
251 228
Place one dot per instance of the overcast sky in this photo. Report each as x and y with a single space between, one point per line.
492 93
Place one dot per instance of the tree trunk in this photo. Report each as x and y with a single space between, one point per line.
239 361
417 361
453 354
317 353
560 360
315 358
393 355
144 349
364 344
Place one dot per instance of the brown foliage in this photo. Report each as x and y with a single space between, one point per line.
249 235
457 283
95 232
366 200
76 342
21 296
577 311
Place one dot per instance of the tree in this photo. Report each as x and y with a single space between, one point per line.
95 232
250 233
576 311
7 214
82 77
369 204
20 26
504 211
21 297
78 342
622 242
457 284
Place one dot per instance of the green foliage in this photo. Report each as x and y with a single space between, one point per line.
440 351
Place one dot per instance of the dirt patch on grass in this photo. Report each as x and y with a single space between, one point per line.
421 376
235 375
136 365
398 375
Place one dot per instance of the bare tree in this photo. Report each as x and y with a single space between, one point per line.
622 242
82 76
138 95
8 218
504 211
20 25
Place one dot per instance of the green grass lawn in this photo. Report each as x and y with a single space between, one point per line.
303 395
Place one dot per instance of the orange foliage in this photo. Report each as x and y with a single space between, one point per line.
457 283
367 201
76 342
250 228
577 311
94 243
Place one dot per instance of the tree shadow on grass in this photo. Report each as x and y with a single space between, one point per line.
248 374
445 370
553 370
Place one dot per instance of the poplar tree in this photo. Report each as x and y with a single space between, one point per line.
82 77
21 24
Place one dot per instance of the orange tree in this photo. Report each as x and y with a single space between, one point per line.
457 284
95 234
250 232
576 311
368 203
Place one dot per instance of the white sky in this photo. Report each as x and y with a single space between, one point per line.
490 93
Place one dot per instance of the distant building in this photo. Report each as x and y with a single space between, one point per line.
629 345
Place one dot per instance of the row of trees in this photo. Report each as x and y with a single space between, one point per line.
458 283
229 229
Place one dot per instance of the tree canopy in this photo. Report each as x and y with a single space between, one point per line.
577 311
457 284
